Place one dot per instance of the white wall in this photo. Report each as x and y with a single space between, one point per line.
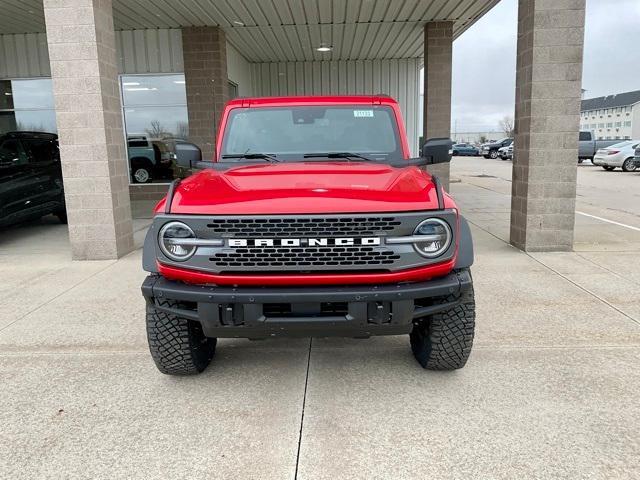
24 55
239 71
395 77
149 51
635 119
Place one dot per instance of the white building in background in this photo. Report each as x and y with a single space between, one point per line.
612 117
475 137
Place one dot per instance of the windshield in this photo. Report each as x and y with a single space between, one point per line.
620 144
291 132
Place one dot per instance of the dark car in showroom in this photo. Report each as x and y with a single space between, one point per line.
30 177
464 149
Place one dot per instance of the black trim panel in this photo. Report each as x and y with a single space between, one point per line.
370 309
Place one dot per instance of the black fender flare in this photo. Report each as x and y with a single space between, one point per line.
465 246
149 251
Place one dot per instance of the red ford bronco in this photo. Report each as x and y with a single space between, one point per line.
311 220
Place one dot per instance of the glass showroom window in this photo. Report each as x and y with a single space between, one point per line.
156 122
27 105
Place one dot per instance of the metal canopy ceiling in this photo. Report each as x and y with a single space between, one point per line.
284 30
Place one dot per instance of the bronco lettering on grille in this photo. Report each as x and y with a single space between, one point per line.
299 242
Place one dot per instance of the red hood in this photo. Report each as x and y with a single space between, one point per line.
305 188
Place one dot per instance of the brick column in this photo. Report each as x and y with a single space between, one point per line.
82 53
438 46
548 90
205 70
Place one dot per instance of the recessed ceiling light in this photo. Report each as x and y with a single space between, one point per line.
324 48
238 22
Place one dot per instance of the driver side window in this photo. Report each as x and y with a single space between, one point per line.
11 153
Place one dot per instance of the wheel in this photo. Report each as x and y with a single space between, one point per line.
141 175
443 341
485 156
629 165
608 168
178 346
493 154
580 160
455 153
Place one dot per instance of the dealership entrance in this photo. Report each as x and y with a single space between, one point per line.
123 84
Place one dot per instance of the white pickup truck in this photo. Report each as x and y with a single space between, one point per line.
588 145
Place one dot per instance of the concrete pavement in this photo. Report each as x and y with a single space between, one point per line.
550 390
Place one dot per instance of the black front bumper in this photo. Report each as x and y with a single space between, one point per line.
348 311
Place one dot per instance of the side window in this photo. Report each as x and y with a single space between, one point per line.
584 136
41 149
11 153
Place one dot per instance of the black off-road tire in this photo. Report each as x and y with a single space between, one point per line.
178 346
493 154
443 341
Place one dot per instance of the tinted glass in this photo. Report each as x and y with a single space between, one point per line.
293 131
41 149
157 122
27 105
10 152
153 90
36 121
155 115
32 93
584 136
6 95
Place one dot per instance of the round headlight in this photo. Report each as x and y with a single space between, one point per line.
437 237
171 239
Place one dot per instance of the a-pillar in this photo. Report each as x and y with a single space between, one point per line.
548 91
82 52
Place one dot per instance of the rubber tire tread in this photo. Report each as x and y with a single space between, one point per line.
444 341
178 345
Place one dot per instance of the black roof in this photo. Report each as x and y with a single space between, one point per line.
611 101
31 135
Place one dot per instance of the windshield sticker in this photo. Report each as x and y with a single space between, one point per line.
362 113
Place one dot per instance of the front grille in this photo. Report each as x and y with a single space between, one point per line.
304 258
302 227
316 247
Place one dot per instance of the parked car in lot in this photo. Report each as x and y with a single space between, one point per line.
618 155
30 177
490 150
149 160
588 145
506 153
636 158
462 149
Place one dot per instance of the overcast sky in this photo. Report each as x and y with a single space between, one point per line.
484 60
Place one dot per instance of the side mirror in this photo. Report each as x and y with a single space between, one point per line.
436 150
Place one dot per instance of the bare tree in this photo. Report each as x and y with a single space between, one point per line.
506 124
483 139
156 130
182 130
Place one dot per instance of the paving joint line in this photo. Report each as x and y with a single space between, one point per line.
304 401
57 296
594 295
604 268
